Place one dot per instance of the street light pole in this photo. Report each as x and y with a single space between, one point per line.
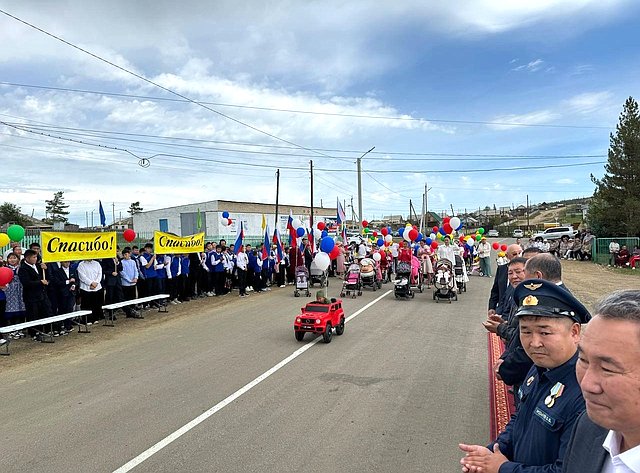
359 163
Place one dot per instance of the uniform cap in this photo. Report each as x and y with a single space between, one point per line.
541 298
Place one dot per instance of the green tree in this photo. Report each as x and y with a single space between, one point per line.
56 209
615 207
10 213
135 208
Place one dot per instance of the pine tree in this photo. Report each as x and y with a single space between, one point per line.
10 213
615 207
135 208
56 209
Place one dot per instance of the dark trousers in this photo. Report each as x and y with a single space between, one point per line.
37 309
218 281
153 288
280 276
257 281
242 281
92 300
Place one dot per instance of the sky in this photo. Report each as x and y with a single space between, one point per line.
485 102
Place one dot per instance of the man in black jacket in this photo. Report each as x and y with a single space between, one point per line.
500 283
607 438
34 286
62 291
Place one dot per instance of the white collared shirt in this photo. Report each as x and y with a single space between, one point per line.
616 462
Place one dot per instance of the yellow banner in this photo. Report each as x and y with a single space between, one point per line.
166 243
71 246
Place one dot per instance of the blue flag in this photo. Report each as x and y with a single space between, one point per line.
103 218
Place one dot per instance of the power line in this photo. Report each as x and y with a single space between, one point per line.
155 84
308 112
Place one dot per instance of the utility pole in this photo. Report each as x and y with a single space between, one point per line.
528 213
311 217
277 195
113 212
92 219
359 166
86 215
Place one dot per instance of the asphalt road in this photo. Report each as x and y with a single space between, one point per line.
405 383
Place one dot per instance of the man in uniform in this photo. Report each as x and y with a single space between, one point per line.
536 438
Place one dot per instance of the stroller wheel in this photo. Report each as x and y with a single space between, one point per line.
342 294
308 293
420 288
353 296
296 294
413 294
359 293
374 288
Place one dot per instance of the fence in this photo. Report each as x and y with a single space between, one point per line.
600 250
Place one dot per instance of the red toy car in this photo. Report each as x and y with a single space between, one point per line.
320 318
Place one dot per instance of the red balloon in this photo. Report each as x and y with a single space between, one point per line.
375 234
447 228
446 220
401 244
435 230
415 227
384 231
496 246
387 243
230 221
503 247
6 275
129 235
333 254
462 238
321 226
413 234
434 245
365 224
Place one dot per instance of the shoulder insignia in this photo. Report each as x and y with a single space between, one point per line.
530 380
530 300
532 286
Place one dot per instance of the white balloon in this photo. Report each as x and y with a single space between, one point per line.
388 238
317 234
454 222
322 260
224 222
405 234
395 245
296 223
377 257
432 236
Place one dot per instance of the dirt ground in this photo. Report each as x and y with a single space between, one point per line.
590 282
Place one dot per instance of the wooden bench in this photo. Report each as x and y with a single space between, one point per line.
110 309
82 314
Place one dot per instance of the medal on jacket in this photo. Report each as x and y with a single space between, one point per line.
556 392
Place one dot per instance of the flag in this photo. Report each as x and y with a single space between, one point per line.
311 241
239 240
344 233
103 218
278 241
266 248
199 220
341 215
292 231
264 223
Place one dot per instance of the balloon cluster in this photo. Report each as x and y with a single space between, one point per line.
14 233
225 221
496 246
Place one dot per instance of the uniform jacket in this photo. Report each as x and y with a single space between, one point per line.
32 288
499 286
536 438
585 453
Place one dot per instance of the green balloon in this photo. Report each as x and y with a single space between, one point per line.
478 237
15 232
367 230
481 231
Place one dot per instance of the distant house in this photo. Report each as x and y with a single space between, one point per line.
394 219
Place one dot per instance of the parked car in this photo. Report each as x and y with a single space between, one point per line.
556 232
517 233
319 318
493 233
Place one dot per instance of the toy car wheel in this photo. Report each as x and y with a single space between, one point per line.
299 335
326 335
340 327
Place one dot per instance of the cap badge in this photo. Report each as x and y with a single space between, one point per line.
530 300
532 286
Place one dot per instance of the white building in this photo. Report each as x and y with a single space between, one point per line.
183 219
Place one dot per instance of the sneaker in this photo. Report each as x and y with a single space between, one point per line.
89 323
56 334
267 288
3 341
249 288
177 301
282 285
173 302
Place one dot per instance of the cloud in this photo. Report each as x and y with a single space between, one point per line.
591 102
532 118
532 66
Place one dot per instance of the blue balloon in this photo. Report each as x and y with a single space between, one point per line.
460 226
442 232
390 230
327 244
225 214
419 237
428 241
300 232
325 233
400 231
380 242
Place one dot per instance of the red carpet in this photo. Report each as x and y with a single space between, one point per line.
501 405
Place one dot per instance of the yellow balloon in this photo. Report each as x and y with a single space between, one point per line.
4 239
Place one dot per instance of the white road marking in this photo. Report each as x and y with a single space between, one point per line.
131 464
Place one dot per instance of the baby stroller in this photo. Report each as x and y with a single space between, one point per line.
402 283
352 285
444 282
318 276
369 275
302 281
461 276
417 276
